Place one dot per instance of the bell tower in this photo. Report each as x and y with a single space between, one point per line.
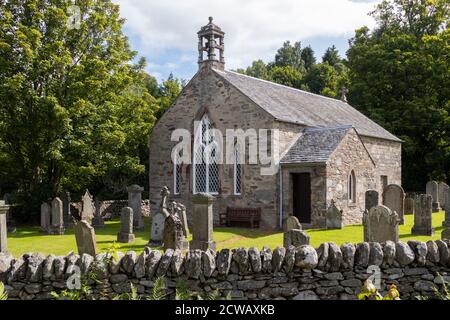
211 46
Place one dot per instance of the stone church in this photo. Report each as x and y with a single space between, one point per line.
327 149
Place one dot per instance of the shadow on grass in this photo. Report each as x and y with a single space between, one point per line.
409 235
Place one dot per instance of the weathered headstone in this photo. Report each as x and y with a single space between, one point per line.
158 220
380 224
393 198
126 226
97 221
3 229
371 199
180 211
173 234
409 205
88 207
290 223
202 226
68 219
432 189
295 237
46 212
85 236
446 222
57 225
423 215
135 203
442 191
334 217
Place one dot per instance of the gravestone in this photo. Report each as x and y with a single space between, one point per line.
295 237
173 234
290 223
446 222
126 226
3 228
393 198
158 219
88 207
380 224
409 205
180 211
432 189
57 225
442 191
334 217
423 215
135 203
68 220
371 199
46 212
85 236
202 222
97 221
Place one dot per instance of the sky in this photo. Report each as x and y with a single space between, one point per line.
165 31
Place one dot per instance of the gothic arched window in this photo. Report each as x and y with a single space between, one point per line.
237 170
177 170
206 168
352 187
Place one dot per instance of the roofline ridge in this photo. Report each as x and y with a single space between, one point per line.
344 126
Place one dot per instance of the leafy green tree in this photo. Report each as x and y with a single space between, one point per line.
399 77
290 56
169 91
74 109
287 75
331 56
258 69
308 57
323 79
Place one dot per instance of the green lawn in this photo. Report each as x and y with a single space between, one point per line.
31 240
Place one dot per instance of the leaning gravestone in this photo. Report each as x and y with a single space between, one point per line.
442 191
57 225
295 237
85 236
3 228
180 211
446 222
173 234
423 216
432 189
393 198
88 207
290 223
202 225
135 203
126 234
157 227
409 205
334 217
380 225
97 221
46 212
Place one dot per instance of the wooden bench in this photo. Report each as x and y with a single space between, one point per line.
250 215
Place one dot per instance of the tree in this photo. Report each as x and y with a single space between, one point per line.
399 78
331 56
308 57
290 56
74 109
323 79
169 91
258 69
287 76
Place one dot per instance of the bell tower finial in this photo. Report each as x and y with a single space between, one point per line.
211 46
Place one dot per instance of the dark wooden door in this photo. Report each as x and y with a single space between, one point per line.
302 196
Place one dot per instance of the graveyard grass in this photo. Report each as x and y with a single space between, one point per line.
30 239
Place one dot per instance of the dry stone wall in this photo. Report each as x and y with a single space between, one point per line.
329 272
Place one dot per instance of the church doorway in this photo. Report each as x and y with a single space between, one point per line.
301 196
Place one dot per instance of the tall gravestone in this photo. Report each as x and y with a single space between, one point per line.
173 234
57 225
97 221
3 228
46 212
446 222
371 200
88 207
202 222
68 220
158 220
85 237
409 205
135 203
442 191
432 189
423 215
126 234
334 217
180 211
380 224
394 199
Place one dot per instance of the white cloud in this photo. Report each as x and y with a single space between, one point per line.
253 28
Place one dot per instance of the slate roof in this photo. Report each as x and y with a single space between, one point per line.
305 108
315 145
